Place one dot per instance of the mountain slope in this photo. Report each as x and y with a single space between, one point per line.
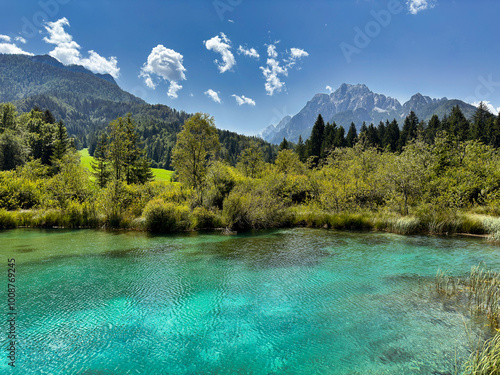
358 104
24 76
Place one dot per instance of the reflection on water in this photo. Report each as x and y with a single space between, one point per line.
295 301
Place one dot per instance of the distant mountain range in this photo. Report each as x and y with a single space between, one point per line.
357 103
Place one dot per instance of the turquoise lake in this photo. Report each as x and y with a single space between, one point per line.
297 301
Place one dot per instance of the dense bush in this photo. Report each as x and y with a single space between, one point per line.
165 217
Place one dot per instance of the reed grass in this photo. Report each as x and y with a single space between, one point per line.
483 291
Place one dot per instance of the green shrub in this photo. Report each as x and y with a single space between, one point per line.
8 219
165 217
253 207
205 219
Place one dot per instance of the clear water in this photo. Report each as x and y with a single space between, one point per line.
298 301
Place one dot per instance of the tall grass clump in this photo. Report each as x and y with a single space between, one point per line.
165 217
485 360
482 289
8 219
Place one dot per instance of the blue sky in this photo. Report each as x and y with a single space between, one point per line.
250 62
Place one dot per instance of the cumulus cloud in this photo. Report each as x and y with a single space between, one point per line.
329 89
172 90
252 52
166 64
274 68
214 95
221 44
20 39
10 48
488 105
415 6
297 53
243 100
67 51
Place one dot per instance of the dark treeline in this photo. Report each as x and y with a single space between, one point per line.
389 136
159 138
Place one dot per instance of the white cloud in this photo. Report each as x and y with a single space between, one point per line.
10 48
20 39
172 90
488 105
221 45
273 69
243 100
167 64
214 95
252 52
415 6
271 51
271 73
67 51
329 88
297 53
231 21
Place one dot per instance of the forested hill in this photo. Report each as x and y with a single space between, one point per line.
24 76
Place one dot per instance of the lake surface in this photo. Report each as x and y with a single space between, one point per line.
299 301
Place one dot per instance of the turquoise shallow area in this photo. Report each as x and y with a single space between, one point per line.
297 301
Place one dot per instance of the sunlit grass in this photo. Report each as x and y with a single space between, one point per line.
159 174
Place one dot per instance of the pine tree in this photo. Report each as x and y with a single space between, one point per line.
409 130
284 145
301 149
392 135
352 134
459 126
479 129
433 127
100 165
340 140
316 139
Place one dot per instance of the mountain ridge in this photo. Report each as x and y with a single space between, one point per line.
358 104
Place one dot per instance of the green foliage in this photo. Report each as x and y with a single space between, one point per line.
251 162
196 144
165 217
251 205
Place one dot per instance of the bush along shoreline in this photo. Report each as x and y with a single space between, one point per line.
440 177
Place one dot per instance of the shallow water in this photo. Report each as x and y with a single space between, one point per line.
298 301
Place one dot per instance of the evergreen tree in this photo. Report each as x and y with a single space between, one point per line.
352 134
316 139
48 117
329 136
459 126
100 165
381 128
480 123
284 145
301 149
372 136
409 130
495 132
392 135
433 127
340 140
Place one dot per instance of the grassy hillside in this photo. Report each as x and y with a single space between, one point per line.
160 174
